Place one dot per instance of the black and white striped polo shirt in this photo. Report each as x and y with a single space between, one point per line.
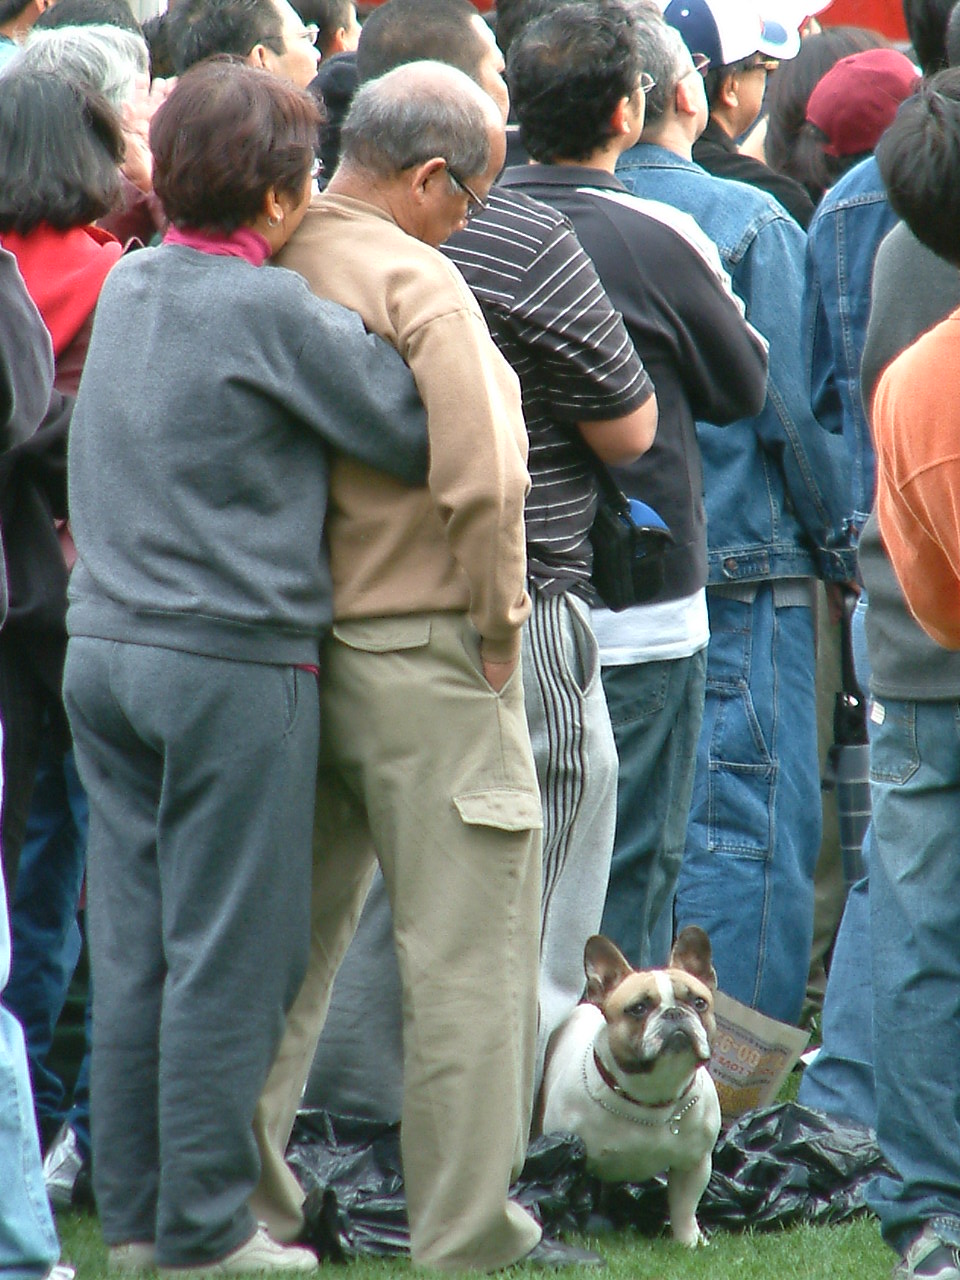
553 322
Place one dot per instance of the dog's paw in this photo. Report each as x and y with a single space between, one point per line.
691 1237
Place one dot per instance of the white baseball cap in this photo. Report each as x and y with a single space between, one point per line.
727 31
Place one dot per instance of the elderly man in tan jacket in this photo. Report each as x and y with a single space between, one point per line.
426 763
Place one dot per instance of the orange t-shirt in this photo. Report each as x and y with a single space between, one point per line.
916 426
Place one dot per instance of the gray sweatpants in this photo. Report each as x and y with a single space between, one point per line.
200 775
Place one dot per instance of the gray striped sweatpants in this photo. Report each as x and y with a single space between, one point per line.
576 760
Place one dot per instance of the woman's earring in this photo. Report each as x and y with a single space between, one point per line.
274 222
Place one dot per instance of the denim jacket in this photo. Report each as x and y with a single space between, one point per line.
775 485
845 234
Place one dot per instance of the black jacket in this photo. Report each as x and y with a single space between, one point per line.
32 481
717 152
703 358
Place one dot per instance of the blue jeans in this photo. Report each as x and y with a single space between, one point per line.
754 832
655 709
25 701
46 937
28 1241
78 1117
915 921
840 1080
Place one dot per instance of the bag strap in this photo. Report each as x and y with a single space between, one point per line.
848 675
850 706
610 491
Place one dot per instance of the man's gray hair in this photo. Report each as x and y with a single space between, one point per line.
101 57
664 56
413 113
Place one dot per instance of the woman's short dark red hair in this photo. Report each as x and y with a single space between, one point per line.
227 133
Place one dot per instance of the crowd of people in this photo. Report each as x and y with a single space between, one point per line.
320 348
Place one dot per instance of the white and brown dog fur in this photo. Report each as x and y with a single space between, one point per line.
627 1073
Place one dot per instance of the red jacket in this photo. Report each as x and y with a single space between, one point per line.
64 272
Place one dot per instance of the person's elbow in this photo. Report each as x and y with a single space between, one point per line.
744 399
739 388
619 441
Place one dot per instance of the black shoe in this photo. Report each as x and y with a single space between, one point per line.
553 1254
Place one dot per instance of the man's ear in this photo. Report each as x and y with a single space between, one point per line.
257 57
336 44
422 174
686 101
619 121
729 92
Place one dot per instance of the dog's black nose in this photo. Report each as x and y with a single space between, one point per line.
674 1014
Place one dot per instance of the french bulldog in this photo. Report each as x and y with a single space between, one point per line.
626 1072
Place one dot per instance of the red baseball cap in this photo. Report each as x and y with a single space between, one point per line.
858 97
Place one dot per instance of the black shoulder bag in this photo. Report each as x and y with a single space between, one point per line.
629 544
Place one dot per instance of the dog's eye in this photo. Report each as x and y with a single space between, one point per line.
639 1009
700 1004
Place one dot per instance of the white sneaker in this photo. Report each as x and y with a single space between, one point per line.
929 1258
260 1253
61 1168
60 1271
137 1255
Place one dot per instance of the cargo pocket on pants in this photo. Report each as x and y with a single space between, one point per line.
501 808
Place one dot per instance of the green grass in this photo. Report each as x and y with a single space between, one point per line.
852 1251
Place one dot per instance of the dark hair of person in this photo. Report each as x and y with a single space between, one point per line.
198 29
567 72
60 151
919 160
88 13
403 31
514 16
10 9
789 92
328 16
333 87
224 137
813 167
927 27
156 34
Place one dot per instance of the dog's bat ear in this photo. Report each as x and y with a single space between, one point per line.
605 967
692 953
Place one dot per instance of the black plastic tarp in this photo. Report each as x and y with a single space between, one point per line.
772 1168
